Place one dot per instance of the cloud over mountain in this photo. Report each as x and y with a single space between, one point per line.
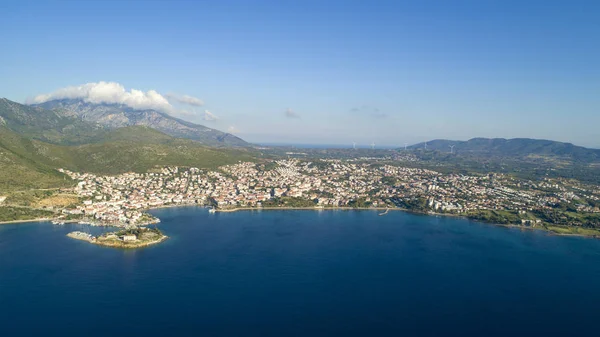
209 116
185 99
110 93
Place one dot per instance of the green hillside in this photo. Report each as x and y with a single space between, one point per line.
31 163
34 142
139 149
45 125
517 147
21 168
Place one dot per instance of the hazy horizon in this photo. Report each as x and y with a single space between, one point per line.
365 145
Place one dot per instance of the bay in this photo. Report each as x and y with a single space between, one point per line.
300 273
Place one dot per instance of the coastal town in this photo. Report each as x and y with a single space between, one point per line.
122 199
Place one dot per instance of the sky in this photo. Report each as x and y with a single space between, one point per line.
321 72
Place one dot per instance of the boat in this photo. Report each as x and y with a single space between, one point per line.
211 210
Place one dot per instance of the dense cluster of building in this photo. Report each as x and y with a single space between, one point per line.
326 183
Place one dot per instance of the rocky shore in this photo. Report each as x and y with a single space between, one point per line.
128 238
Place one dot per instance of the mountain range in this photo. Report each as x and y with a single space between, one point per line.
34 142
516 147
46 125
114 116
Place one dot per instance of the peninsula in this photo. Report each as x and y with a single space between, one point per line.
132 237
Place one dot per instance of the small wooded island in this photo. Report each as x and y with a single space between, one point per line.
132 237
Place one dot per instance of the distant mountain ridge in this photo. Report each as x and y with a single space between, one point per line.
516 147
113 116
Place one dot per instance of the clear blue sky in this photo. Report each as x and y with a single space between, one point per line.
384 71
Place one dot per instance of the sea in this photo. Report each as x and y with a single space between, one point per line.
301 273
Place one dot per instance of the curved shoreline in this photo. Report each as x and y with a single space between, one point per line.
543 229
236 209
230 210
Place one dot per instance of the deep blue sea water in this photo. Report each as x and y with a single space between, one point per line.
301 273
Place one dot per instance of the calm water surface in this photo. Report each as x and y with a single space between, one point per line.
301 273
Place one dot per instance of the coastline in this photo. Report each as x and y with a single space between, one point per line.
397 209
130 245
229 210
16 222
236 209
114 244
25 221
543 229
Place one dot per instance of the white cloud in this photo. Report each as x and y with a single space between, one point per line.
209 116
111 93
185 99
289 113
233 130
